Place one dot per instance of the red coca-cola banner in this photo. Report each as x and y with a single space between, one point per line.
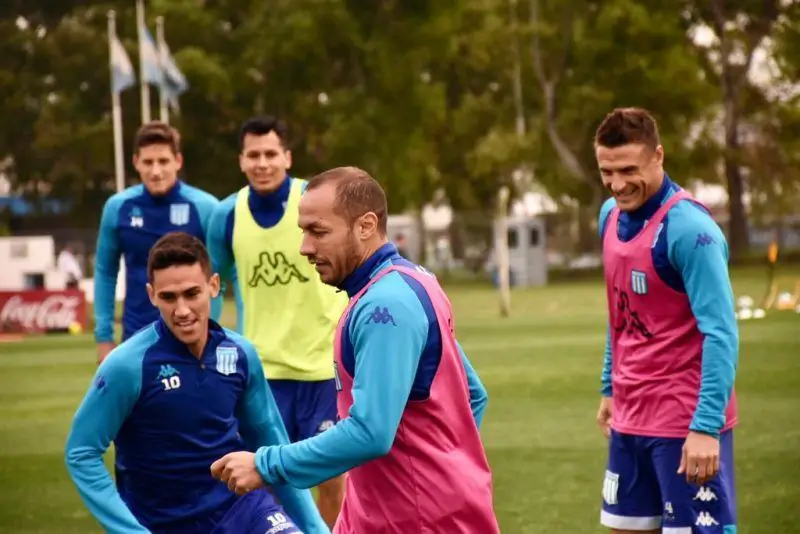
41 311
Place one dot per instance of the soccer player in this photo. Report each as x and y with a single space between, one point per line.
409 401
173 397
133 220
668 405
284 308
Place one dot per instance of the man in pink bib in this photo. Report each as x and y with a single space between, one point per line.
410 404
668 404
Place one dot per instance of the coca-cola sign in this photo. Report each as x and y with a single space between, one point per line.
41 311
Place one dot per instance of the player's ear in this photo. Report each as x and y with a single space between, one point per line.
288 159
660 155
215 285
179 159
151 293
368 225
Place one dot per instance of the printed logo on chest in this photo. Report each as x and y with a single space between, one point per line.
628 320
136 217
274 268
179 214
169 377
227 357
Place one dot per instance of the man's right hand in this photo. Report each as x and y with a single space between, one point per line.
604 416
103 348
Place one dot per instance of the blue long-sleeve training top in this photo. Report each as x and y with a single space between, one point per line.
132 221
170 416
690 254
390 366
266 209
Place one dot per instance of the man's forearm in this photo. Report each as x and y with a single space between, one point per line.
91 478
105 286
717 376
310 462
605 377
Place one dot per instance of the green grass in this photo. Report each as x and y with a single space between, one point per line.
541 367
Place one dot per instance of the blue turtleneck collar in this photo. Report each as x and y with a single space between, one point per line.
215 332
649 208
172 195
359 278
272 201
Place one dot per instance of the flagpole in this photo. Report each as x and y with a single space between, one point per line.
143 85
162 97
116 108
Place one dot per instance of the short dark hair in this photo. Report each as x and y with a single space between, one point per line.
263 126
628 125
177 248
357 193
157 133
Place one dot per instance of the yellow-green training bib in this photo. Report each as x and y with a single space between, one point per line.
289 314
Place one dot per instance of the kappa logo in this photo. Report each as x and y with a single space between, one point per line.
274 269
704 519
381 316
166 371
169 377
703 240
137 218
705 494
629 321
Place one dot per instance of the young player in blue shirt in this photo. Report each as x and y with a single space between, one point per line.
173 398
133 220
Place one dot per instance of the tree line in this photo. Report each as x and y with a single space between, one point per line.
425 94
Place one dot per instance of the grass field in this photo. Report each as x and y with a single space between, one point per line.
541 367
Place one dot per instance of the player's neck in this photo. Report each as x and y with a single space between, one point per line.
371 249
166 196
655 196
279 193
655 188
199 346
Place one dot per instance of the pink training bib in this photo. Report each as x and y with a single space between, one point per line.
656 348
436 478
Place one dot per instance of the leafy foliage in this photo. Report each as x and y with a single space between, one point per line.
418 93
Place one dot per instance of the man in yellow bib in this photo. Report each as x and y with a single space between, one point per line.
283 307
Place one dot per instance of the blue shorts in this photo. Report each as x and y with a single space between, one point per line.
643 491
256 513
252 513
307 408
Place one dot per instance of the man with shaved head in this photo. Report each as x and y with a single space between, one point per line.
409 401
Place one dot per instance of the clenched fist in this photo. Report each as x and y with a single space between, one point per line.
238 471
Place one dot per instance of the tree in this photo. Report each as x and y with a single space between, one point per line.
740 28
418 93
589 57
771 156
